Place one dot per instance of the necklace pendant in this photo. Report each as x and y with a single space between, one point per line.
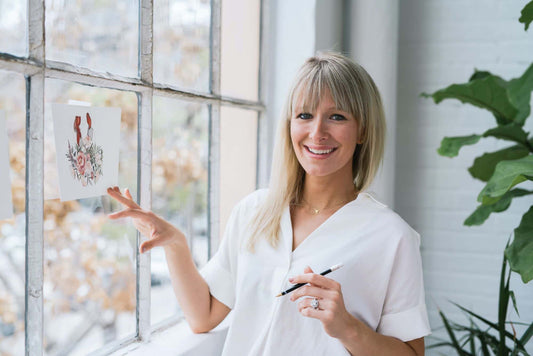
315 211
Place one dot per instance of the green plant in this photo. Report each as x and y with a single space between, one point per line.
502 170
489 338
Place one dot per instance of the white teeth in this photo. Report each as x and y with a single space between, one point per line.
320 152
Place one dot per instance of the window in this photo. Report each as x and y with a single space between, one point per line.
186 74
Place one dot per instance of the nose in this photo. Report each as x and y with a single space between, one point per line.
318 131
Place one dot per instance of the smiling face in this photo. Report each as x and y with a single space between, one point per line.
324 139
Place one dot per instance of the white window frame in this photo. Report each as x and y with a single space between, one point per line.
36 68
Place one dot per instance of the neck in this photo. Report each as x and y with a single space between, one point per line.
321 192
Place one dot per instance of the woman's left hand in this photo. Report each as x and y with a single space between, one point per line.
331 310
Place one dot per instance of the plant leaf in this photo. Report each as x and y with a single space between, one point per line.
489 323
472 340
503 301
520 251
506 175
453 338
450 146
527 335
510 132
526 15
479 74
483 166
519 94
483 212
513 298
489 92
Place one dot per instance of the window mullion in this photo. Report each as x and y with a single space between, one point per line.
34 182
144 168
214 132
263 126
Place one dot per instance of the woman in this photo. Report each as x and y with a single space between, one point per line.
315 213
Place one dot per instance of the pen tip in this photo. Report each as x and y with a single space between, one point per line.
279 295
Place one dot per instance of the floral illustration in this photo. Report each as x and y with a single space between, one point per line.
85 157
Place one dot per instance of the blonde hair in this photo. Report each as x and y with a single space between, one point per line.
353 91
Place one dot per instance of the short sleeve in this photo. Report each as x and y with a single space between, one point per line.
220 271
404 313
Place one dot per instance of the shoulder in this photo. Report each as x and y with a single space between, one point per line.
248 205
252 200
387 220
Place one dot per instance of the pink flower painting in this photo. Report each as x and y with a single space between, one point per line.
85 157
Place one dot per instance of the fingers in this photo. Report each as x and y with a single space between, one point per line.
131 213
306 303
148 245
128 194
309 291
315 279
126 201
313 313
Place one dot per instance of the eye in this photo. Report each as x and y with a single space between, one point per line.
304 116
338 117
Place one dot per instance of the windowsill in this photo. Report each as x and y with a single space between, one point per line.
179 340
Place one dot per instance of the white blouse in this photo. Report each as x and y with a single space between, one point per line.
381 279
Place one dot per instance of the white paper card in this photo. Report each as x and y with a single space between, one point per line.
6 202
87 149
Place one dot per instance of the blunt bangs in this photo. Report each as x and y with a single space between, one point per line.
319 77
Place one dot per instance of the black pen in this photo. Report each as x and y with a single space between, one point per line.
296 286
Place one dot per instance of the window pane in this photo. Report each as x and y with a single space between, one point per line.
13 27
240 48
238 157
12 231
181 43
179 188
100 35
89 260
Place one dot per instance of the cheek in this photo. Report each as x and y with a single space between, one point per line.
295 134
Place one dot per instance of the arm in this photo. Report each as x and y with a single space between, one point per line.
202 311
359 339
356 337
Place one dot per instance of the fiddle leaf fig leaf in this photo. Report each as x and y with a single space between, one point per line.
483 166
506 175
483 212
526 15
519 93
511 132
489 92
450 146
520 251
479 74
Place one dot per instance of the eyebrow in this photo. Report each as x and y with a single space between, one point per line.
331 108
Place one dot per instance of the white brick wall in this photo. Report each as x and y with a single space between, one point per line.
441 42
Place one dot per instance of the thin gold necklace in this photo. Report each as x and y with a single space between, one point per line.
316 211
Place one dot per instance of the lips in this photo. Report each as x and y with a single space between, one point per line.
320 151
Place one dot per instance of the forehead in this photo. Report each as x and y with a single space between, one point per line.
308 98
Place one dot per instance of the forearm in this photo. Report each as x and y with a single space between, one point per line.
361 340
190 288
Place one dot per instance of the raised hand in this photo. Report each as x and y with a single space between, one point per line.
158 231
329 308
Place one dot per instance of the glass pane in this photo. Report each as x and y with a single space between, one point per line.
89 260
12 231
100 35
238 157
14 27
179 188
240 48
181 43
